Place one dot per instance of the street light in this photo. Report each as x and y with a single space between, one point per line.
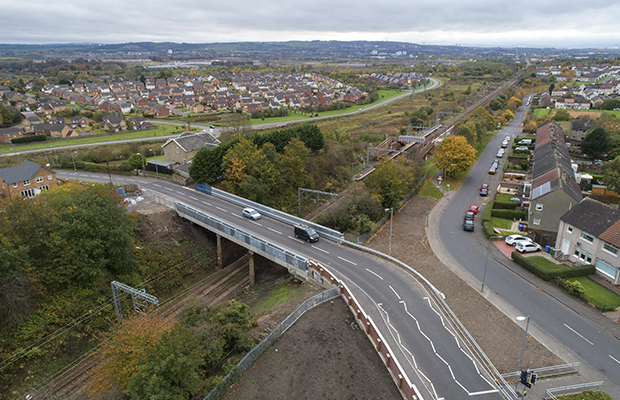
156 167
391 210
73 159
522 318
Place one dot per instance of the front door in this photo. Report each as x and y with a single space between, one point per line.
565 246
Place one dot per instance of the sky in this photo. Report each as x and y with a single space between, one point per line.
510 23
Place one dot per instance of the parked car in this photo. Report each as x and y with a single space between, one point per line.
470 215
250 213
484 190
514 239
504 144
474 209
468 225
525 141
521 148
493 169
526 247
306 233
500 153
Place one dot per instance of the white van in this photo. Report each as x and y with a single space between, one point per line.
525 141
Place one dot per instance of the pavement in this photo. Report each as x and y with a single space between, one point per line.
501 253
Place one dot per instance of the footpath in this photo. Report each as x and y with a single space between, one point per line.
586 374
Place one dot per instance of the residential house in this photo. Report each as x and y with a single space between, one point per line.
184 147
554 189
6 134
589 233
578 130
26 180
79 120
113 123
30 121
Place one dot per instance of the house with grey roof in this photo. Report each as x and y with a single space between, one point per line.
554 189
184 147
589 233
26 180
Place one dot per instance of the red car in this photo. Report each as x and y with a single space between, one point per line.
473 209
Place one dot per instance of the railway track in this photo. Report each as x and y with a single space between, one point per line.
68 383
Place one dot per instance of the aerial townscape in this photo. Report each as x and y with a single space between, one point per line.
225 205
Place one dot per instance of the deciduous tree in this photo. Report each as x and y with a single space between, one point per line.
455 154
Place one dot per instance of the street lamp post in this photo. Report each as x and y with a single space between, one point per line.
73 159
391 210
522 318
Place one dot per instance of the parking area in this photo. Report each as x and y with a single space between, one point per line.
505 248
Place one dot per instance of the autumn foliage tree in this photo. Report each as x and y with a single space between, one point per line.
454 155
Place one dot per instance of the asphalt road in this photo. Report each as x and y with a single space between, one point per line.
553 314
433 357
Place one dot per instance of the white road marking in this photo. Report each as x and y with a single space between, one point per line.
193 198
94 176
273 230
345 260
394 291
374 273
294 238
177 192
610 356
156 185
320 249
578 334
169 189
204 202
255 223
143 182
188 188
484 392
237 215
221 209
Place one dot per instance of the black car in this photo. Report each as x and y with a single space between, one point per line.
468 225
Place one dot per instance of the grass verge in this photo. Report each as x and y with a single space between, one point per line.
587 395
545 264
598 296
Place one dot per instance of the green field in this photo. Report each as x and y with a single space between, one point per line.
162 130
540 112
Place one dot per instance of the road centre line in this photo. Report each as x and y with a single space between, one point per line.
612 357
177 192
193 198
255 223
578 334
169 189
221 209
374 273
320 249
273 230
237 215
345 260
204 202
156 185
394 292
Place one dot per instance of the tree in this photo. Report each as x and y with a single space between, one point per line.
135 161
596 143
235 174
610 104
611 174
561 115
391 181
295 159
551 87
455 154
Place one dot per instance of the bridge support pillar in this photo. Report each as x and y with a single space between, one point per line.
219 251
251 264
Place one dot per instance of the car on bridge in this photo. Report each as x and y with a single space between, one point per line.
306 233
250 213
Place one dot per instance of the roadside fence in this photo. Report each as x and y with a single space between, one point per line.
564 390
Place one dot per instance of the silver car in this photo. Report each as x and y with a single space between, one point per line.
250 213
514 239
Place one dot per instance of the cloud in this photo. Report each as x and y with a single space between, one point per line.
481 22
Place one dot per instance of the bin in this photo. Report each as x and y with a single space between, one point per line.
547 248
520 227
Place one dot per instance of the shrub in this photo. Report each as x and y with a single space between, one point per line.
30 139
487 228
574 288
504 205
486 215
565 272
509 214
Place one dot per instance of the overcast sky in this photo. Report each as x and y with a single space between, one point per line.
524 23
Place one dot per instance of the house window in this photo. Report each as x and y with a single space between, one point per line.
49 177
15 184
39 179
583 256
610 248
587 237
26 182
539 207
536 221
177 150
569 228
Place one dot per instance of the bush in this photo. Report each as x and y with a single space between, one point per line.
487 228
509 214
30 139
504 205
486 215
574 288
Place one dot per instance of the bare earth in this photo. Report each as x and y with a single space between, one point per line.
322 357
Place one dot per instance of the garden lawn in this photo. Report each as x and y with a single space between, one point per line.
501 223
504 197
598 296
545 264
540 112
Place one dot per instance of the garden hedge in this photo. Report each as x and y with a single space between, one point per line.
509 214
487 228
486 215
30 139
504 205
565 272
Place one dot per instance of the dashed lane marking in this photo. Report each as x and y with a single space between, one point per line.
320 249
273 230
345 260
374 273
221 209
